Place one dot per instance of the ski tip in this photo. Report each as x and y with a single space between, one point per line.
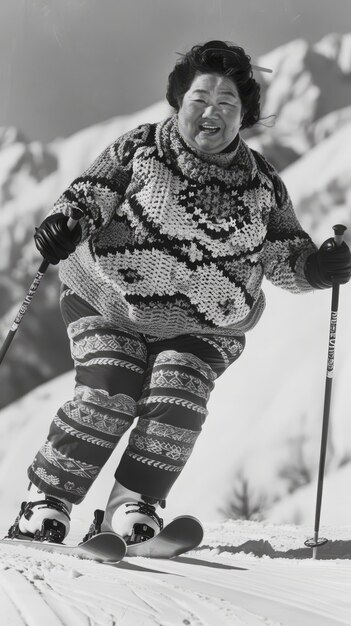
193 522
106 546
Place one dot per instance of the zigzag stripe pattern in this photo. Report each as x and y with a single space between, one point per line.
171 400
158 464
110 362
182 240
103 184
96 441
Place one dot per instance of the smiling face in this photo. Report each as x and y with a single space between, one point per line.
211 113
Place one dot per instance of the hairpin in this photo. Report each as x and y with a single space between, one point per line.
262 69
254 67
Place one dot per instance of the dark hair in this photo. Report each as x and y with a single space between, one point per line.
217 57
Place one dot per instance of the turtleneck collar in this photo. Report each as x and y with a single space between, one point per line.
233 167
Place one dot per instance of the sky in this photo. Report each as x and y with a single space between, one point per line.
67 64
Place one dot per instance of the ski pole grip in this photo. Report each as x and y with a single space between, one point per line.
72 221
339 230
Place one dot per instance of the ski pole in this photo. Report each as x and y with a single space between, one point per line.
315 542
32 289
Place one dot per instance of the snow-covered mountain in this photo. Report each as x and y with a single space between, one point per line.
308 92
22 164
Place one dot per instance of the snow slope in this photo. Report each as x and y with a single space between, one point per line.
243 574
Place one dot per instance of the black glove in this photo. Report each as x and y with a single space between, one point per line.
330 264
54 240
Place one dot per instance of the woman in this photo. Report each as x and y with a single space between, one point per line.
181 221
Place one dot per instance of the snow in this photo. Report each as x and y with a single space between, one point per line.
243 574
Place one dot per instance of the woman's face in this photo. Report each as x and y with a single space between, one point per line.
211 113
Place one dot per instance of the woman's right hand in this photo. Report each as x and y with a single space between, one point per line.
54 240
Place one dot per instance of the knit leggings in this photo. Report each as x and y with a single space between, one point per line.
121 375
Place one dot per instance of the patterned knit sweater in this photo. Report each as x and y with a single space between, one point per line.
176 241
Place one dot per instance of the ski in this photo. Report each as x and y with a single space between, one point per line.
180 535
106 547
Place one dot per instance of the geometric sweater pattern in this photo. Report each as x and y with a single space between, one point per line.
175 241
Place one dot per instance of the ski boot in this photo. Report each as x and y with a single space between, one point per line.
42 518
128 514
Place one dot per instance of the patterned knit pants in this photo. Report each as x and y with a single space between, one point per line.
121 375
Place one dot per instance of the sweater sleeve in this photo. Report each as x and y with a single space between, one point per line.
101 187
287 245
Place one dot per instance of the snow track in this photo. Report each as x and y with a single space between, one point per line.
37 589
301 592
25 604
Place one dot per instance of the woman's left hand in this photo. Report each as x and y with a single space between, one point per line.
330 264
